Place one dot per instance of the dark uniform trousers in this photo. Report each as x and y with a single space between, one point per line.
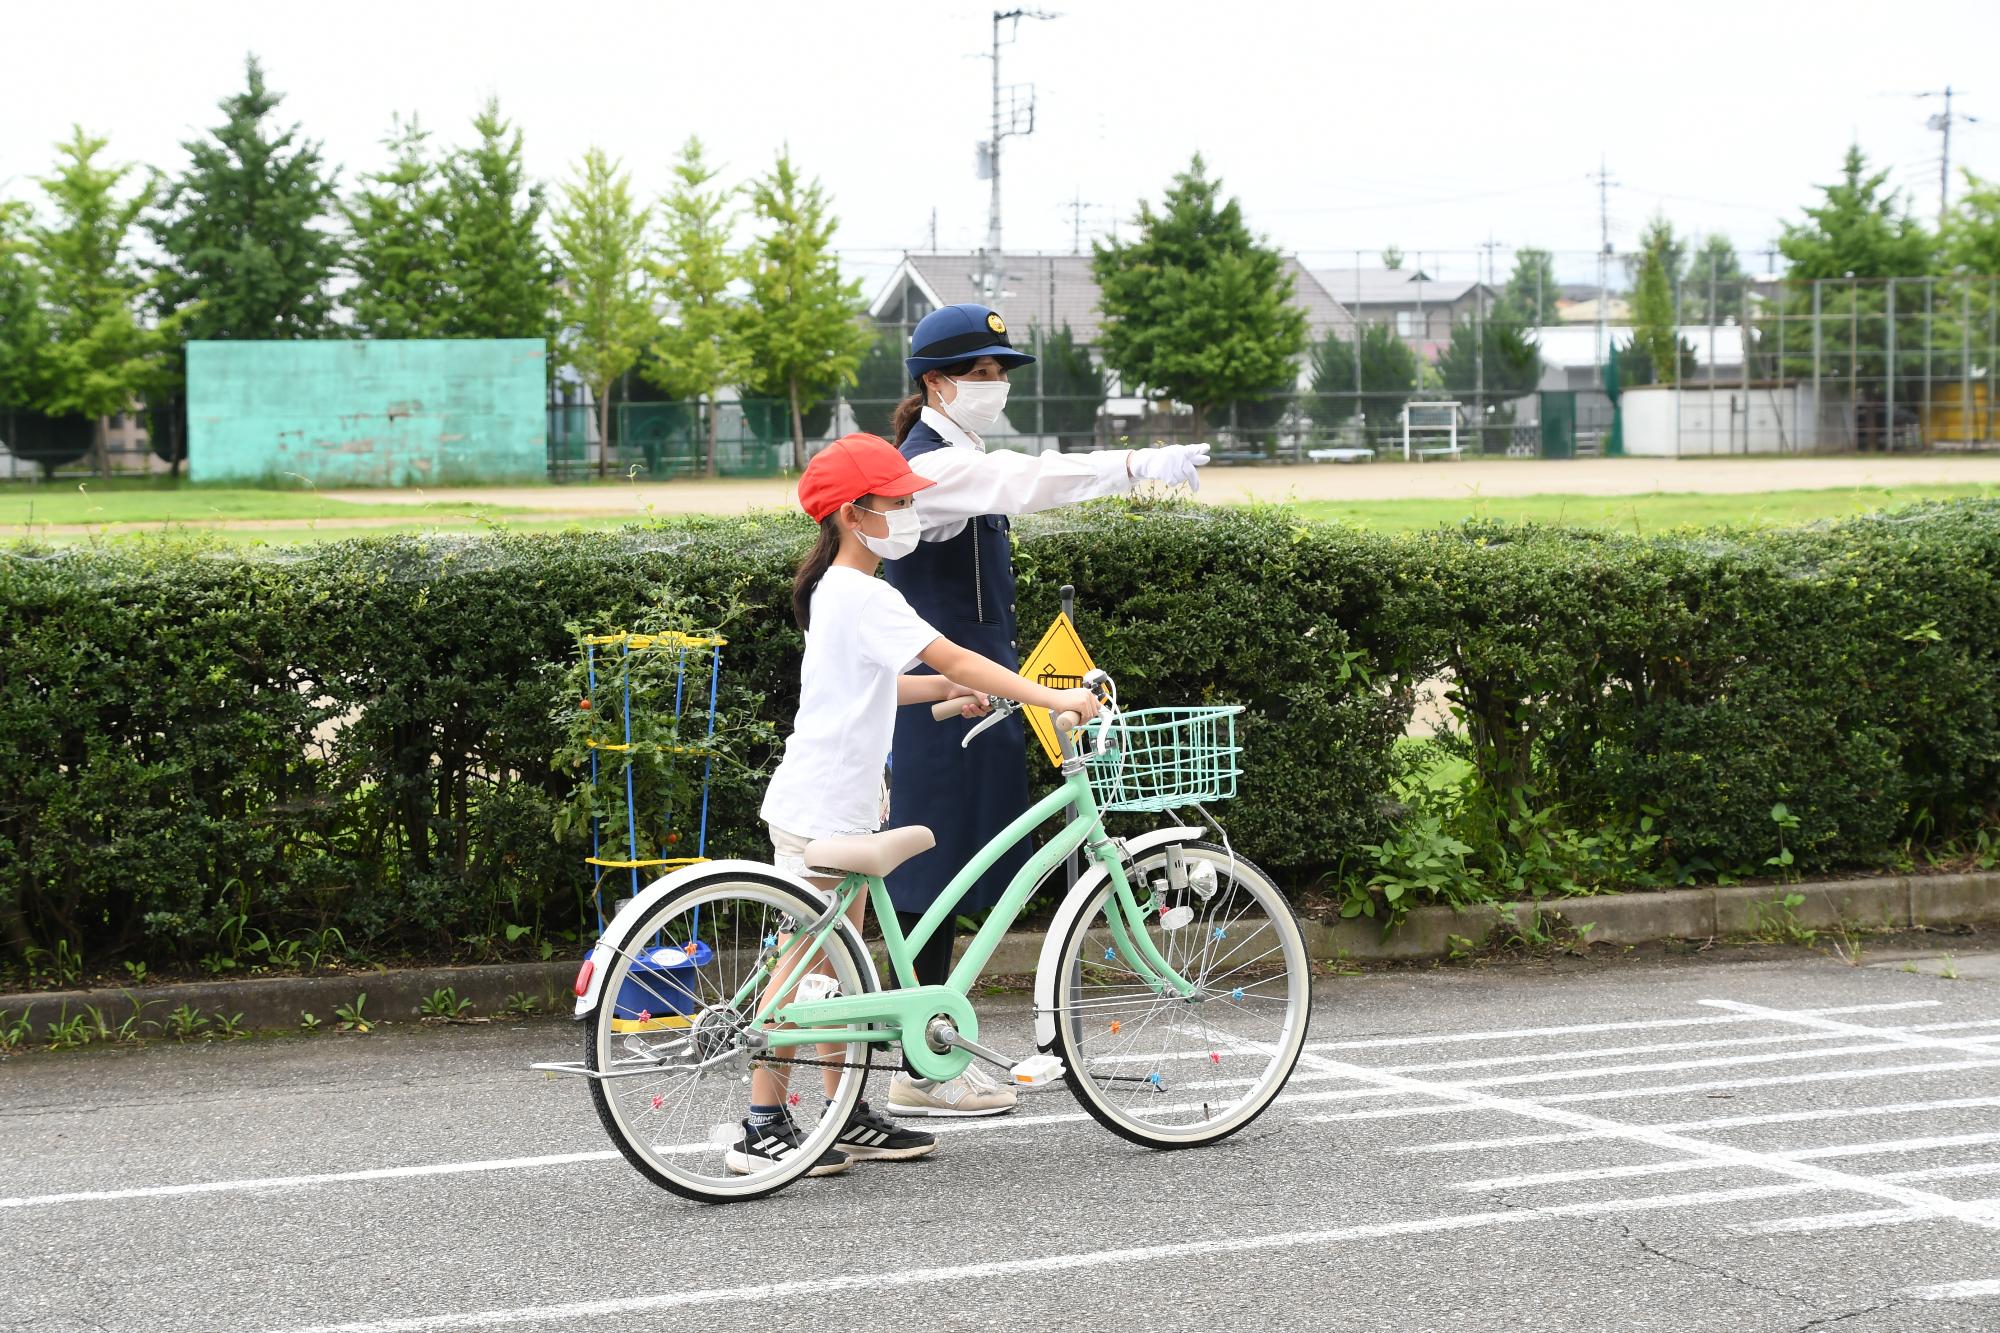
964 589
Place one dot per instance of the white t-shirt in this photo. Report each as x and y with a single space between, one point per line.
863 636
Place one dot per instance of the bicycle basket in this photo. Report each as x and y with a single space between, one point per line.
1165 758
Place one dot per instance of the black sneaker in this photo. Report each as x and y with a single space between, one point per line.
873 1138
762 1145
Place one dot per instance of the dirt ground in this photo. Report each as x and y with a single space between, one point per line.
1322 481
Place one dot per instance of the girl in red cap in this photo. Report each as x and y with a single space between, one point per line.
861 636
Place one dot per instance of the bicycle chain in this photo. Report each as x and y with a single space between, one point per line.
826 1064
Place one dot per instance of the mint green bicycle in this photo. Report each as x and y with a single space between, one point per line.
1173 991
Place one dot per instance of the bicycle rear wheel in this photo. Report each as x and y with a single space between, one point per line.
1174 1072
674 1030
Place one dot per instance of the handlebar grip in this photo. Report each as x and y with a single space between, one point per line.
944 710
1067 720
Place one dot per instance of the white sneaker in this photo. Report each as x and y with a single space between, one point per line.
971 1093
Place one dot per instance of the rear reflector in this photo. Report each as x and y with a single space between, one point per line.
583 975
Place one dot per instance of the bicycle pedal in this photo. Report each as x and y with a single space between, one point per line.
1037 1071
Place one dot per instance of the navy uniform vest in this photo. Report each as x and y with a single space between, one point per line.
964 589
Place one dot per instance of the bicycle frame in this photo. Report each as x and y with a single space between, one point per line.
909 1007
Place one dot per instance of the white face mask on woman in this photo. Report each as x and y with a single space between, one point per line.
903 533
977 404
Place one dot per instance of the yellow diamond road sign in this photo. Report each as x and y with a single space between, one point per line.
1059 661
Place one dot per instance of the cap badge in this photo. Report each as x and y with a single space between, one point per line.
995 323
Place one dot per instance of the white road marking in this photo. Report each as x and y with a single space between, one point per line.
1017 1122
1716 1122
1974 1214
1653 1090
1602 1052
1879 1217
882 1281
1900 1036
1632 1025
1954 1291
295 1182
1882 1148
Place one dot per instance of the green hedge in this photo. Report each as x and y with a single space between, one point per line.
198 742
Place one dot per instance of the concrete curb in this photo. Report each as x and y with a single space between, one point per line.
1427 933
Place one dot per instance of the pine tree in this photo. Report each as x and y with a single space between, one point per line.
606 310
499 269
100 358
249 253
1072 385
399 252
1713 268
24 329
880 381
803 331
1656 337
1858 230
1196 307
1509 366
1388 377
1530 294
701 347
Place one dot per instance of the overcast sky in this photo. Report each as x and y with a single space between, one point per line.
1434 126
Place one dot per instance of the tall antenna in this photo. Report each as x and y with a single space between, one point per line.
1942 123
1013 118
1604 182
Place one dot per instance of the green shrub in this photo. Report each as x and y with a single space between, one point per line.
198 743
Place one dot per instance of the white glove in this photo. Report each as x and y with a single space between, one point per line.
1173 464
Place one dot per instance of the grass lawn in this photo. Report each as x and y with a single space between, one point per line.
333 519
164 502
1636 513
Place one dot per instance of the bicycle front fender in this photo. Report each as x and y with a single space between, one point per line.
605 951
1072 907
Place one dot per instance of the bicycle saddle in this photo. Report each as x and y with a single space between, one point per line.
870 853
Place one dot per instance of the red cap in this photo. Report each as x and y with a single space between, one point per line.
851 467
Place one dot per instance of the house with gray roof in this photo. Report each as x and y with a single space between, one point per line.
1420 308
1050 291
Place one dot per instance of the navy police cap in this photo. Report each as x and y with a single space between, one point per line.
957 333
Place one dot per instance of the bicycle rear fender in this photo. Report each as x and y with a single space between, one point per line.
1072 907
603 953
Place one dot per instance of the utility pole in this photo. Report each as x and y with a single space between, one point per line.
933 228
1076 208
1603 179
1942 123
1479 343
1019 122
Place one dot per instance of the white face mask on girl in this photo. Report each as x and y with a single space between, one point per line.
903 533
977 404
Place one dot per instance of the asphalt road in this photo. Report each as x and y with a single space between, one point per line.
1774 1142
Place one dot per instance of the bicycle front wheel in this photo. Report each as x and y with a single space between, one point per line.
1173 1071
674 1034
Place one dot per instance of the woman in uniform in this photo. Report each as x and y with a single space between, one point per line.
961 579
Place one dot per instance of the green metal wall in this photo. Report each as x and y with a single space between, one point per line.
389 413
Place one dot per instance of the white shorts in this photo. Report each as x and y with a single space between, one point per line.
788 850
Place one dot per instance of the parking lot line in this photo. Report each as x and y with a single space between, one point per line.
1716 1122
1980 1214
1883 1148
1878 1217
1626 1025
1954 1291
1900 1036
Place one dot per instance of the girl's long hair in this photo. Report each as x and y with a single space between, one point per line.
907 411
813 568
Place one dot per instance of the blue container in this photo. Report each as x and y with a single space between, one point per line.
660 991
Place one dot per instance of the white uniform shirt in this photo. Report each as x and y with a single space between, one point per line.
971 482
863 636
